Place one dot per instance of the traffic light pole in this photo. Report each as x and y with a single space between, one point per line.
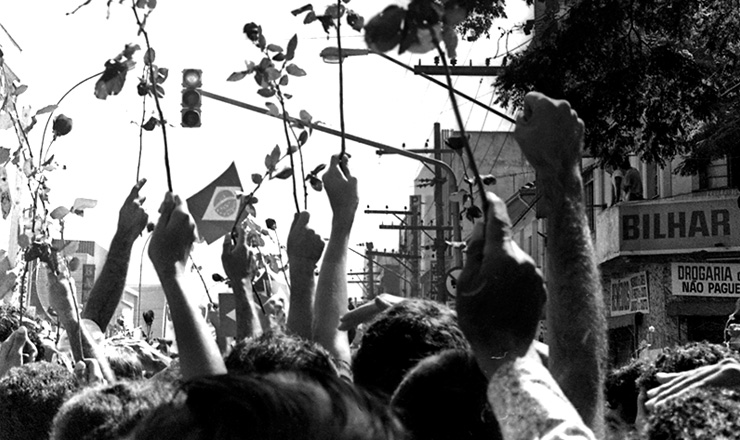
452 179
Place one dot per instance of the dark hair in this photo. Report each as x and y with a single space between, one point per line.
124 362
275 351
701 413
278 406
108 412
30 396
621 389
399 338
683 358
444 397
9 323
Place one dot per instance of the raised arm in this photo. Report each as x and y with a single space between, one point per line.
240 266
62 300
331 290
108 289
550 135
500 299
170 246
304 250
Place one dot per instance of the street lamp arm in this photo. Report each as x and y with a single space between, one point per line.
331 55
452 179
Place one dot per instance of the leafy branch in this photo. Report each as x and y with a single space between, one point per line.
271 81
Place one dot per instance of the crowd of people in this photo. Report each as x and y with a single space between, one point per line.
420 370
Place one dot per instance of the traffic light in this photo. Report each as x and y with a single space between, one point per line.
191 97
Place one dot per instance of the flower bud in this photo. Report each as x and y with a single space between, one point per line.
62 125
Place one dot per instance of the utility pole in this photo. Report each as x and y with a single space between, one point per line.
370 270
440 246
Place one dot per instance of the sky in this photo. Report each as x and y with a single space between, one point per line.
382 102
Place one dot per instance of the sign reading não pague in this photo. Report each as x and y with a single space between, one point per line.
705 279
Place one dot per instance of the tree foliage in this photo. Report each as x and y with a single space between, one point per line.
656 77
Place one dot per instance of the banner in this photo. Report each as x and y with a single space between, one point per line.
705 279
629 295
214 208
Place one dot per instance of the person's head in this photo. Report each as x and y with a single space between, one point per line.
275 351
621 392
108 412
399 338
124 362
9 323
701 413
278 406
30 396
625 164
683 358
444 398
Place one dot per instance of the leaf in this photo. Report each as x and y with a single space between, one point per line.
279 57
237 76
256 178
292 149
149 56
250 210
28 168
47 109
152 4
162 74
273 109
302 138
112 80
151 124
326 21
271 224
310 18
80 204
274 48
4 155
455 143
316 183
355 21
272 74
318 169
305 116
335 11
287 95
284 80
285 173
301 10
272 159
295 70
20 89
267 93
292 44
59 212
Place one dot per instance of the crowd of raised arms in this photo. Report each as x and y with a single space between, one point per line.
419 370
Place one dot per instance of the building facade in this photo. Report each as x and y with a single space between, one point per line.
670 264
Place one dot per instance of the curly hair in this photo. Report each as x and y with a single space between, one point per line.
683 358
30 396
399 338
276 351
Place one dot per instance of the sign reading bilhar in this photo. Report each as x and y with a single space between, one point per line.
705 279
629 295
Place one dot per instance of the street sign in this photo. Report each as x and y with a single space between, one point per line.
451 281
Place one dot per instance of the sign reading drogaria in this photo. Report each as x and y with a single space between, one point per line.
691 224
705 279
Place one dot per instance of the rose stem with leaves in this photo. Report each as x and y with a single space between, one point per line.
341 80
290 153
458 116
153 80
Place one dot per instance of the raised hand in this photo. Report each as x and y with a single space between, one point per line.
238 261
368 311
501 293
303 242
341 188
132 218
16 351
173 236
550 135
